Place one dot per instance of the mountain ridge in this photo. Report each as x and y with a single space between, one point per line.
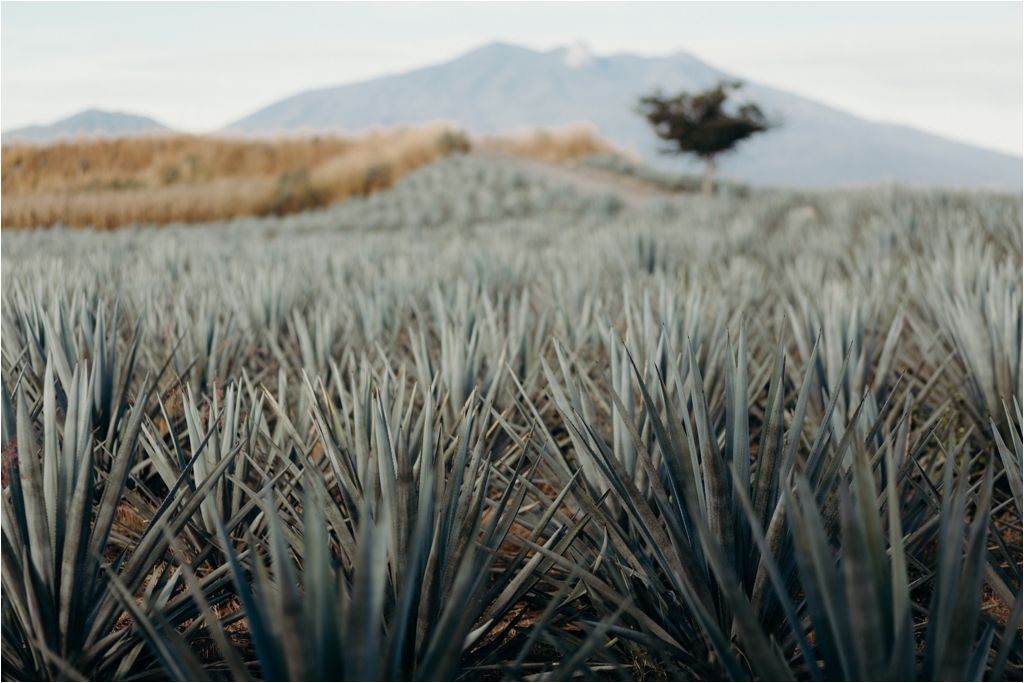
500 87
89 123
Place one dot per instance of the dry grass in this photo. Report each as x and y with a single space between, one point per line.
186 178
567 144
111 183
149 162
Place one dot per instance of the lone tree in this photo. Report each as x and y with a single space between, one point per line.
698 124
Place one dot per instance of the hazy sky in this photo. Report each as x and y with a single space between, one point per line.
955 69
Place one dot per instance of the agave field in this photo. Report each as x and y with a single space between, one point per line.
486 427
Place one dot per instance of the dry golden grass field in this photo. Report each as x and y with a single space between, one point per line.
108 183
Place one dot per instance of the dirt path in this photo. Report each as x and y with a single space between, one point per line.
631 191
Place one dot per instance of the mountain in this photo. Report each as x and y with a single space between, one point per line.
92 122
500 87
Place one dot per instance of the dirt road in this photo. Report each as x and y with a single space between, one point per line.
631 191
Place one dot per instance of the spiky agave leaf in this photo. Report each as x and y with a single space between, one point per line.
859 623
63 600
487 272
421 617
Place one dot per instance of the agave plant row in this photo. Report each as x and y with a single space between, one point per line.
483 426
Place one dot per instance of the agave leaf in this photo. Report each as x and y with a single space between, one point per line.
13 506
115 481
948 569
903 663
630 496
684 487
538 566
568 667
35 518
71 612
955 653
471 507
796 426
497 529
693 494
551 449
288 606
778 373
716 481
59 664
403 624
363 628
173 653
36 602
120 393
601 587
866 619
687 495
9 422
737 438
450 639
320 609
394 496
152 544
457 501
874 544
1007 640
54 496
872 432
618 479
175 442
767 560
284 422
818 447
1012 466
213 625
56 350
15 589
510 582
692 563
979 659
569 412
538 626
766 473
341 464
259 629
829 476
821 585
643 515
759 652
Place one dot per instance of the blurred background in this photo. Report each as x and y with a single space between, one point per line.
926 94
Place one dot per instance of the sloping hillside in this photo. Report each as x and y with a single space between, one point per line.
502 87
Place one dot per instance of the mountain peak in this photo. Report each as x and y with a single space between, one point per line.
577 56
90 123
499 87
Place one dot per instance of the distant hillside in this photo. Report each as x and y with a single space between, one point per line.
108 182
501 87
92 122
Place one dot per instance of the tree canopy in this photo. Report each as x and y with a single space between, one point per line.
699 124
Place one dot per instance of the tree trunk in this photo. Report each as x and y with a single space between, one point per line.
707 188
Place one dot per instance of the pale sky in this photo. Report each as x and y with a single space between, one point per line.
954 69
